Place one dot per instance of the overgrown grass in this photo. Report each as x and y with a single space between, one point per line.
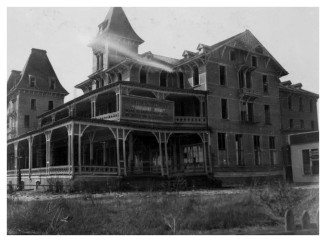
148 213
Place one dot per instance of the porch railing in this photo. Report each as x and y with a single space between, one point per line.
98 170
108 116
189 120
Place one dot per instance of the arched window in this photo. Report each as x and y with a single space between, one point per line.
196 76
143 76
163 77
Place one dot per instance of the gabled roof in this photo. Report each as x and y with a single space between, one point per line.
117 23
38 65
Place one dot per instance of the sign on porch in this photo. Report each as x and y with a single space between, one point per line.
139 108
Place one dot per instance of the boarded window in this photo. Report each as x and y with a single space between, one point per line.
32 81
267 114
265 84
306 162
33 104
224 106
26 121
222 75
232 55
254 61
221 141
50 107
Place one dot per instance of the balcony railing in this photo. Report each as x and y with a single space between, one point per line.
248 94
189 120
108 116
98 170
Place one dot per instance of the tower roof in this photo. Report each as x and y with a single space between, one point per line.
117 23
38 65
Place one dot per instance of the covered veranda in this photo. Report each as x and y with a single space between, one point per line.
106 148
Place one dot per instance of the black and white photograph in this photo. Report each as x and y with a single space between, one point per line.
134 120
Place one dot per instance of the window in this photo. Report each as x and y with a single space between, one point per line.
50 107
300 105
232 55
272 150
302 124
221 141
265 84
119 76
32 81
224 106
26 121
310 159
254 61
312 125
99 61
248 79
33 104
143 76
291 123
239 149
163 77
181 86
290 102
311 104
257 152
247 112
222 75
241 79
267 114
222 151
52 83
195 76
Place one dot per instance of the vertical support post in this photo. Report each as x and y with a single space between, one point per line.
209 153
79 149
166 155
30 154
104 152
131 150
118 151
48 149
16 155
124 151
175 158
160 150
204 152
72 159
91 153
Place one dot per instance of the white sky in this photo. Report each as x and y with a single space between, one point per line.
290 35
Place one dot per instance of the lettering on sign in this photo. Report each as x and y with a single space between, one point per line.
139 108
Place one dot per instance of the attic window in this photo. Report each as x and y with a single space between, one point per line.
52 83
254 61
32 81
232 55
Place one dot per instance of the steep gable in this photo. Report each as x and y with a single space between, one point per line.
38 66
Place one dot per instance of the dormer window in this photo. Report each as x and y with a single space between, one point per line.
254 61
52 83
99 61
32 81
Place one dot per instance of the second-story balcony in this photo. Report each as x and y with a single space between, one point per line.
109 116
189 120
248 94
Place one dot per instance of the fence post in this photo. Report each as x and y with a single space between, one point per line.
305 220
289 220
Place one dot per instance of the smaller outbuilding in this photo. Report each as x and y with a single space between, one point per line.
305 157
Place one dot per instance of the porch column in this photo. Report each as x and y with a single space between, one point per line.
91 153
93 106
72 156
160 150
209 153
48 148
104 153
124 151
30 154
79 149
118 152
204 152
16 155
166 154
175 158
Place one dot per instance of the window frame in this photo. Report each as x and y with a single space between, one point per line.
253 57
52 104
33 104
31 77
225 108
224 74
